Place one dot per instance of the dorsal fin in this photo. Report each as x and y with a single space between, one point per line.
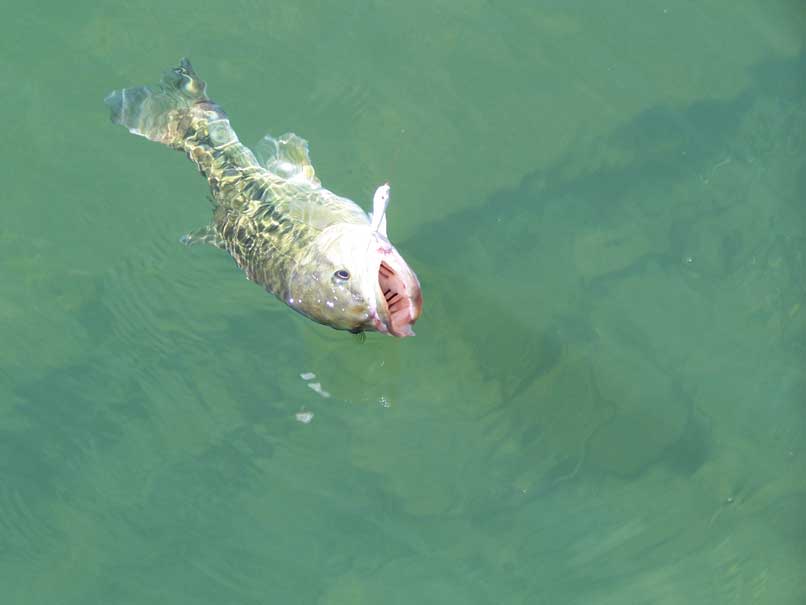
287 157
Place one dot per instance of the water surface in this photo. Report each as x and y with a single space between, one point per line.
605 399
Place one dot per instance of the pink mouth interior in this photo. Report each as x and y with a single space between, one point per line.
398 301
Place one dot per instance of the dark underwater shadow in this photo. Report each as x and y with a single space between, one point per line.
618 252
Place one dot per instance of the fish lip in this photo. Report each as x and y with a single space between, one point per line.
380 325
402 288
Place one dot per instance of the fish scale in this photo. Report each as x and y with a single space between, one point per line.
247 220
316 251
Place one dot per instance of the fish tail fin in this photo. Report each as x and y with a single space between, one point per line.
162 112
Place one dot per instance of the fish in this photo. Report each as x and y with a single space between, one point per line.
319 253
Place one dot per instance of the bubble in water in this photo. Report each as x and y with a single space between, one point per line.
317 388
304 417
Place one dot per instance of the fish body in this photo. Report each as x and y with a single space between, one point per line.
318 252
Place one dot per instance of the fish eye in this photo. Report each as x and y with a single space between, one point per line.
342 274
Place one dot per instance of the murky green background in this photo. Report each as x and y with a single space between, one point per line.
606 399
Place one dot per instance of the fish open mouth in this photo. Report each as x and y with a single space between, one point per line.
402 305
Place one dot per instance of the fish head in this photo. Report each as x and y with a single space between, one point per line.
352 278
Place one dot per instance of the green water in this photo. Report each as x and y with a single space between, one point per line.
606 398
